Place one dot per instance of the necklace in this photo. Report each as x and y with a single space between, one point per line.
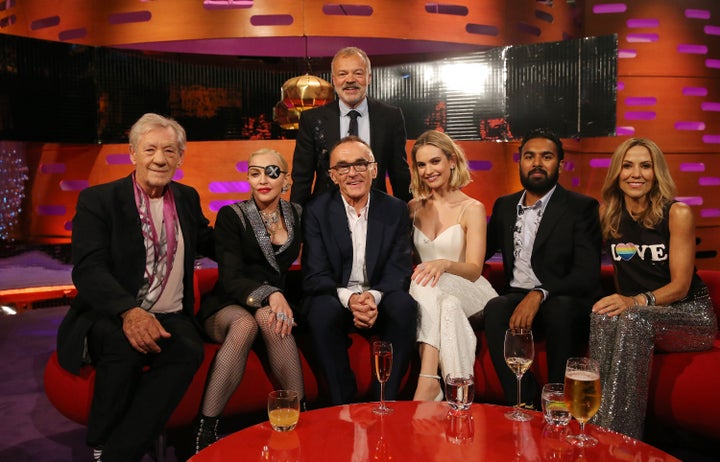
271 220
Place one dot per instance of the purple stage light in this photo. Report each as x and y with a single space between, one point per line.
694 91
222 187
709 181
692 49
697 14
690 200
74 185
687 125
692 167
640 115
608 8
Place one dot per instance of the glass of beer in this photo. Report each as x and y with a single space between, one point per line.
382 365
582 395
283 409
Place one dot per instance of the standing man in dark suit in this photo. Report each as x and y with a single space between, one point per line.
134 243
550 242
356 267
380 125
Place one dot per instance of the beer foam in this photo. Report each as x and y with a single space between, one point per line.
582 375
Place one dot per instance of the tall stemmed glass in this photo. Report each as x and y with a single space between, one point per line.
582 395
382 362
519 354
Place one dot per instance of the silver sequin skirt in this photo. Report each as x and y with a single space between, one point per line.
624 346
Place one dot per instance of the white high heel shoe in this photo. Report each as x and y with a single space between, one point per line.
440 394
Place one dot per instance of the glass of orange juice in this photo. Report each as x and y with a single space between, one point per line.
283 409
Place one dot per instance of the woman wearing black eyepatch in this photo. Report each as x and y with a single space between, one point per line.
256 242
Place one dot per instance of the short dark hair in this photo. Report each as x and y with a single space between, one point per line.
548 135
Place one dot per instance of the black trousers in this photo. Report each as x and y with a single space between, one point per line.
330 323
564 323
130 406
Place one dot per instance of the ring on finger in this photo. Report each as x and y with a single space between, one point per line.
282 317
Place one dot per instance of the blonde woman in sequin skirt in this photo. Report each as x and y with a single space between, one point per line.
661 303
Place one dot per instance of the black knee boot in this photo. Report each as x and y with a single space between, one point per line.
205 431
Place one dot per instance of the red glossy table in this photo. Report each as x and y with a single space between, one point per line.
421 431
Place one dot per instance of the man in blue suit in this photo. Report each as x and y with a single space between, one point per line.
356 270
380 125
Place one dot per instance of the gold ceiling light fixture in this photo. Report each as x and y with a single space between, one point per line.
299 94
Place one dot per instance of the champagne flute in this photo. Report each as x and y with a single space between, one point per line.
382 361
582 395
519 354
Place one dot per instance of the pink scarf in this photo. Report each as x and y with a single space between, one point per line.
157 248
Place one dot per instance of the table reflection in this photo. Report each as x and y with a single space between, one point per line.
459 427
424 431
282 447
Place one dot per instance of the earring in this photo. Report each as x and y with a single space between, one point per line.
285 188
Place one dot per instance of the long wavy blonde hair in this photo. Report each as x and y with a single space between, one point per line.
460 175
662 192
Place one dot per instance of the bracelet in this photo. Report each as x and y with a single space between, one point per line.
650 298
647 300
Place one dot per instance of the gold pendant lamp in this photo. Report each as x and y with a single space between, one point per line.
299 94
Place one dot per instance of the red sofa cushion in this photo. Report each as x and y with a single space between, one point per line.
69 393
683 390
72 394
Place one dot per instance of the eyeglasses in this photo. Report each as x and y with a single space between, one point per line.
272 171
343 168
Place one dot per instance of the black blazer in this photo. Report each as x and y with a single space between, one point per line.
328 252
248 268
318 132
566 253
108 253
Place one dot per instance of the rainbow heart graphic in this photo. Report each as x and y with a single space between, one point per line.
626 251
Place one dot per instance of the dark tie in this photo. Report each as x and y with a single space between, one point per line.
353 130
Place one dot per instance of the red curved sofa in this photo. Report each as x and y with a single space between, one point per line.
71 394
683 388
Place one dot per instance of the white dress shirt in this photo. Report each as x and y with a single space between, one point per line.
358 282
524 233
363 120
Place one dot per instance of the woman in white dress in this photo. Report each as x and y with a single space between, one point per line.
449 236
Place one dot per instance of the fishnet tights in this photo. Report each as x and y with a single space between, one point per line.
282 354
235 328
